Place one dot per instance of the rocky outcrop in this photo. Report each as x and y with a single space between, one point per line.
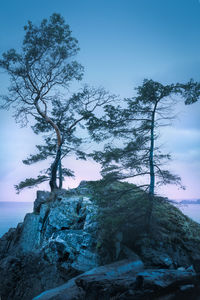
54 243
128 280
70 233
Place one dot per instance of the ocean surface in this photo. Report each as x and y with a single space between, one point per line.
191 210
11 213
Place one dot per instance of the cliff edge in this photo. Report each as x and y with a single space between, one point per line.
71 233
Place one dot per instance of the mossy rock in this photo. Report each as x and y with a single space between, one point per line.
165 232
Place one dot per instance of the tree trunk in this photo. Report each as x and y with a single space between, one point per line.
152 172
54 169
60 174
55 164
151 154
151 161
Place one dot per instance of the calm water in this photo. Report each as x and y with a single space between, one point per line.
11 213
191 210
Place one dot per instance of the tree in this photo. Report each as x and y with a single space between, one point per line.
69 115
137 126
43 65
191 91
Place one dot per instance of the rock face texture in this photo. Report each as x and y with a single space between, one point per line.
128 280
69 236
54 243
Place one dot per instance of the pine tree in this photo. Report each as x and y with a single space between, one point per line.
136 130
37 73
72 116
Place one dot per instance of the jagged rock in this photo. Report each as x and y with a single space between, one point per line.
59 236
73 289
127 280
149 283
62 238
24 276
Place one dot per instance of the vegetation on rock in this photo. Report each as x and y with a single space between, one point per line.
123 211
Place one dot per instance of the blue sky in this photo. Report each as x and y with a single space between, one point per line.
122 42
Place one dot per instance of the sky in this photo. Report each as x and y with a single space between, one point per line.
121 43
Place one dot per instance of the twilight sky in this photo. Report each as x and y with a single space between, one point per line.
122 42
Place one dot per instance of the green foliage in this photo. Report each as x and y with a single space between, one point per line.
68 114
30 182
118 204
135 151
123 209
190 91
42 65
67 172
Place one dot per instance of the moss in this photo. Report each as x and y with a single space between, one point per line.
123 207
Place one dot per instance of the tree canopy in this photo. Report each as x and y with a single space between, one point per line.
137 126
40 76
37 73
72 115
43 65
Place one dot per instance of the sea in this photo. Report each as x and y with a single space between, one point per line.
12 213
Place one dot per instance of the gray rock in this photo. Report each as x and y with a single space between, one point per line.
196 265
41 198
73 290
85 260
61 240
68 291
129 253
191 269
127 280
61 231
181 269
30 235
64 214
187 287
148 284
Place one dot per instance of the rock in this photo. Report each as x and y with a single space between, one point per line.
29 239
156 257
119 239
142 285
41 198
68 291
191 269
181 269
127 280
58 238
196 265
63 238
24 276
187 287
129 253
9 239
73 289
163 278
